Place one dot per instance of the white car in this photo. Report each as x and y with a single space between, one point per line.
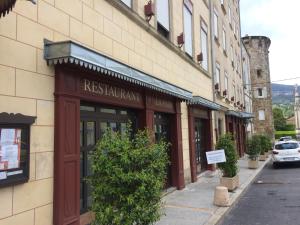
286 151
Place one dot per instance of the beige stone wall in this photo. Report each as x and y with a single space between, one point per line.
224 59
27 83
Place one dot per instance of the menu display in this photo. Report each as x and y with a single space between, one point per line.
10 148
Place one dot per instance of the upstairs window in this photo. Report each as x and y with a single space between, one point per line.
226 81
187 19
127 2
229 14
216 29
163 17
258 72
261 114
224 38
217 74
204 45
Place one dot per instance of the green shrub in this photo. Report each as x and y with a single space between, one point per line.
279 134
254 147
228 168
265 144
128 178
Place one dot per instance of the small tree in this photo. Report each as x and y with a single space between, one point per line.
128 178
254 147
229 168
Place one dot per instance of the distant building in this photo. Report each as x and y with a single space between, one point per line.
258 49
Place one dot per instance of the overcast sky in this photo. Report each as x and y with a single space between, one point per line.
279 20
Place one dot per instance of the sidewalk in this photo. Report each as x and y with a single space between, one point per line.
194 204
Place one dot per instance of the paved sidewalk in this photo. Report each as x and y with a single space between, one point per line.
194 204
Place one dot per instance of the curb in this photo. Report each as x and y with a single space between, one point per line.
221 212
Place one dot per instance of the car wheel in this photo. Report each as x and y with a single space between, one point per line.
275 165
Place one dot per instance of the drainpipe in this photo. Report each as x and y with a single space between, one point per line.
213 67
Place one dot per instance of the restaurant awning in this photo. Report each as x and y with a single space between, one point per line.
246 115
197 100
69 52
6 6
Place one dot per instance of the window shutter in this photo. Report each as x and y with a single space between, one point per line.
265 93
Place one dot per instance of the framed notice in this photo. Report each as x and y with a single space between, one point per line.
217 156
14 148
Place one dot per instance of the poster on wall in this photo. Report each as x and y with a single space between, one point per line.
10 148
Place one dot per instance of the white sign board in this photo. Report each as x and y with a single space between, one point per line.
217 156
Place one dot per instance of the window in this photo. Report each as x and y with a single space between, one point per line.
216 24
261 92
127 2
220 127
229 14
187 17
226 81
231 53
217 74
258 72
163 19
224 38
261 114
204 47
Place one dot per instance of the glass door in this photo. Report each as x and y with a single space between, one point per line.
200 145
162 131
94 121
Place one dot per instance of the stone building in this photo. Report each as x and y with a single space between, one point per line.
258 49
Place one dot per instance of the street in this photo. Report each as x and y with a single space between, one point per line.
272 199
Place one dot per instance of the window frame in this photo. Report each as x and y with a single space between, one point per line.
187 5
204 30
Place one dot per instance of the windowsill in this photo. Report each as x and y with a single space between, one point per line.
140 21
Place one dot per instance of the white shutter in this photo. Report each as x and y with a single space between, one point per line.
265 93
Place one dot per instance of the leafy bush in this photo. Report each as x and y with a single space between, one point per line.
254 147
228 168
128 178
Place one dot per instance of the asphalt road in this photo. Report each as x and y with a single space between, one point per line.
272 199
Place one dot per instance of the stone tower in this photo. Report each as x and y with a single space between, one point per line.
258 49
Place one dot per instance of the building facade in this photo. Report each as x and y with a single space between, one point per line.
75 68
258 49
247 89
227 70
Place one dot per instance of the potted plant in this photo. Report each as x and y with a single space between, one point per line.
262 156
264 142
229 169
253 150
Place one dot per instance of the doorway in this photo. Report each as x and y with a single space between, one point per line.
200 145
94 121
162 131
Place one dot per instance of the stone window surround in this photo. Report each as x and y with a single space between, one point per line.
132 14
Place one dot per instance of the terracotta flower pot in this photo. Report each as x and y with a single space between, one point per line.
230 182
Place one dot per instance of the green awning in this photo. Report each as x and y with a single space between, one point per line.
69 52
243 115
197 100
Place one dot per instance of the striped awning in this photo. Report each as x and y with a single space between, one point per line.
197 100
69 52
6 6
243 115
